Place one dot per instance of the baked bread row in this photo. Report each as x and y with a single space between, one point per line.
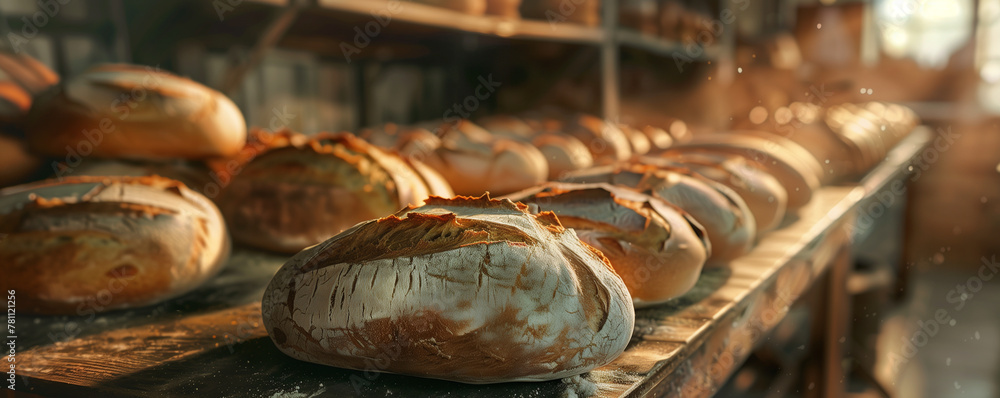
848 139
503 154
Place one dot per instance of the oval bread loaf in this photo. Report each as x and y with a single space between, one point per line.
728 221
134 112
93 244
798 174
306 190
470 290
764 195
657 248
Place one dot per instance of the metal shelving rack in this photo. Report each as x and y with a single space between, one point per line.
609 38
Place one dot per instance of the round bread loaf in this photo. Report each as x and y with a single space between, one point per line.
657 248
127 111
728 222
93 244
473 162
638 141
469 289
294 196
659 139
606 142
798 174
764 195
563 153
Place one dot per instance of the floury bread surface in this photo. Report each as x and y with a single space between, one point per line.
469 289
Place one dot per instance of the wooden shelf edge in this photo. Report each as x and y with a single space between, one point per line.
427 15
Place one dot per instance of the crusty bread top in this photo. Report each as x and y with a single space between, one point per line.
174 196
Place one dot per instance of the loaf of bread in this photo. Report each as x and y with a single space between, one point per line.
803 124
657 248
93 244
470 290
134 112
474 162
764 195
563 153
659 139
638 141
797 173
300 191
606 142
728 222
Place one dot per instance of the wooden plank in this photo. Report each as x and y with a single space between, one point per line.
426 15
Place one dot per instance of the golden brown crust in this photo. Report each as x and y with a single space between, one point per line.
345 179
93 244
652 245
563 153
798 174
490 295
728 222
764 194
474 162
606 142
126 111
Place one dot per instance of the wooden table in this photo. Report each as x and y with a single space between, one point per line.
212 342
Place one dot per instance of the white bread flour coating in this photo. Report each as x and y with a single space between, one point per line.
472 290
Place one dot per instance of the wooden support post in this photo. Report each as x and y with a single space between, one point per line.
609 62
